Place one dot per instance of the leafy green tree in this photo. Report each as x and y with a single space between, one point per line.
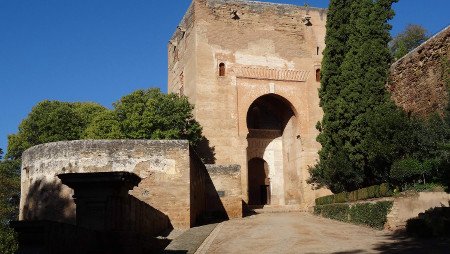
87 112
409 39
354 73
9 190
51 121
407 170
104 126
148 114
9 203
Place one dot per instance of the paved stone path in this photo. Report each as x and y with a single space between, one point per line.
189 241
305 233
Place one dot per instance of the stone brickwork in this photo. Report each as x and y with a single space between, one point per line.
224 55
170 183
226 183
417 80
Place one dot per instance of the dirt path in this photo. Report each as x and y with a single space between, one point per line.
305 233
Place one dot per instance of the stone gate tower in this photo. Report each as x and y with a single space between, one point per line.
252 69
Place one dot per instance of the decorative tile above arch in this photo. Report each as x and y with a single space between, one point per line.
271 74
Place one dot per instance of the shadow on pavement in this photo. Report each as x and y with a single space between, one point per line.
400 243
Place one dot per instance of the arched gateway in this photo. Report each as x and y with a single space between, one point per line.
253 81
271 124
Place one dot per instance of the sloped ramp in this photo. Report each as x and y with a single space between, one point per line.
191 240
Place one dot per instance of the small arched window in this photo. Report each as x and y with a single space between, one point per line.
221 69
318 75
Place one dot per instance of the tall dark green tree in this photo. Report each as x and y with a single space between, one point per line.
338 32
355 71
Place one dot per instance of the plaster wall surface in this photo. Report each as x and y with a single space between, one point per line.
267 49
418 81
164 166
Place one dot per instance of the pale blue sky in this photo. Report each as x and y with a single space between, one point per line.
100 50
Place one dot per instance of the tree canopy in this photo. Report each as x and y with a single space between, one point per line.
143 114
409 39
51 121
147 114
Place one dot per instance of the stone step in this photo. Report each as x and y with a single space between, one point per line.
277 209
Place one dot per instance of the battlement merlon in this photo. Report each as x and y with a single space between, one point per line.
240 5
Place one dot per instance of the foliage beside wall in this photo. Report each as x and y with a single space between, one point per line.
9 203
434 222
375 191
8 240
370 214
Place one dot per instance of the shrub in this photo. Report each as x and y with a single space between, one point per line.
385 191
8 241
324 200
434 222
370 214
375 191
334 211
427 187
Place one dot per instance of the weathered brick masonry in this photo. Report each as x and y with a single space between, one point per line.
417 80
173 178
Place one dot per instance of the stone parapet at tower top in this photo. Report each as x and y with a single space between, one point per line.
251 68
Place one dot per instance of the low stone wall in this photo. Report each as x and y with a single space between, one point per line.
417 82
225 185
403 208
409 207
164 167
129 214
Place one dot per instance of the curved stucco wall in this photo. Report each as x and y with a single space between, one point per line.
156 162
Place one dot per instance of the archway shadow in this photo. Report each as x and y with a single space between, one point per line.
205 151
400 243
49 224
215 210
47 201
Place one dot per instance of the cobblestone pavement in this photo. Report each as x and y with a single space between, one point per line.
305 233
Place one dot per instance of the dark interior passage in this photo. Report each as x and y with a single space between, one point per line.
258 182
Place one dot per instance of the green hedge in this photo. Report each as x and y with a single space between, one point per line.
376 191
370 214
335 211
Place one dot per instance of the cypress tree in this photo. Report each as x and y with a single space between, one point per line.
355 67
338 32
